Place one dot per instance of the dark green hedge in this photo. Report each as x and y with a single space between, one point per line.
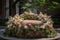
56 20
3 22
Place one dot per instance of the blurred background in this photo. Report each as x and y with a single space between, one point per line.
11 7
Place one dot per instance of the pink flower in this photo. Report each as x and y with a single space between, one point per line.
30 25
17 23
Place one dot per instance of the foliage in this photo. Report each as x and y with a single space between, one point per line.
52 5
3 22
34 4
38 4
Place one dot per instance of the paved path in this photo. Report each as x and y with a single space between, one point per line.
2 27
2 39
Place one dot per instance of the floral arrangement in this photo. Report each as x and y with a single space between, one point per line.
30 25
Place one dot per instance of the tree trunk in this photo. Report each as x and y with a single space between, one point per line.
2 8
12 10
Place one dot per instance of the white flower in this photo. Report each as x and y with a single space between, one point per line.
25 26
20 20
10 25
41 14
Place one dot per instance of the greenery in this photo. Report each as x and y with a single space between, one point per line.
3 22
39 4
52 5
